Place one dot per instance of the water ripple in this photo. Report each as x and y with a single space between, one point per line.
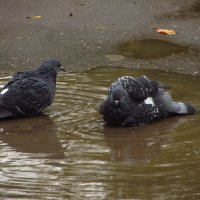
69 153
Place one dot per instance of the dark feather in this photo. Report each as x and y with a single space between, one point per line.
140 101
29 93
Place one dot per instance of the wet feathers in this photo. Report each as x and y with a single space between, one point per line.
138 101
29 93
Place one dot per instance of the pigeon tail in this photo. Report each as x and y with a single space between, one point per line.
183 108
173 107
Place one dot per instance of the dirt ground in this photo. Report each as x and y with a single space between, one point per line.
86 33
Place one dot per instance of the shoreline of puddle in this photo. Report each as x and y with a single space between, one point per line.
154 54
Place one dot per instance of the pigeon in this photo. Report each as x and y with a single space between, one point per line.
28 93
139 101
138 88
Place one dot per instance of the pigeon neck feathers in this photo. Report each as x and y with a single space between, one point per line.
117 106
50 69
47 74
118 96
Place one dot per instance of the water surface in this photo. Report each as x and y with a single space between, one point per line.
69 153
150 49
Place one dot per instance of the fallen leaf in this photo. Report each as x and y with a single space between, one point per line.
35 17
166 31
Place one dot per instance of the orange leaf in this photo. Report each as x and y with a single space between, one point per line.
166 31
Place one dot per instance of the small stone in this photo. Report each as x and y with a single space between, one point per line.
114 57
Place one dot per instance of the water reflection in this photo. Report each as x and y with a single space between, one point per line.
150 49
31 135
141 145
71 155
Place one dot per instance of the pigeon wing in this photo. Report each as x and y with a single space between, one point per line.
136 89
152 113
27 96
145 114
151 86
18 76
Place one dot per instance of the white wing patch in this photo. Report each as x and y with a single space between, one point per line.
4 91
149 100
183 108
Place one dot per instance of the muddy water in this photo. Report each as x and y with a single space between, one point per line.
150 49
69 154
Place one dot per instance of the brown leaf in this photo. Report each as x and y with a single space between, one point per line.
166 31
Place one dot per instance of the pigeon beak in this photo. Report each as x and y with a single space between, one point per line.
116 102
62 69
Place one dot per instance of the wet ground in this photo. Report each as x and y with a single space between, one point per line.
69 153
85 33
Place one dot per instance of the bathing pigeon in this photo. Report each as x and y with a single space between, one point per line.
29 93
138 88
138 101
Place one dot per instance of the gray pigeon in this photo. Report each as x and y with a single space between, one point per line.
138 101
29 93
138 88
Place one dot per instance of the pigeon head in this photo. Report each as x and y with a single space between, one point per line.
119 96
54 64
51 66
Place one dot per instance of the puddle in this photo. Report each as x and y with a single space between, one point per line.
69 154
150 49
